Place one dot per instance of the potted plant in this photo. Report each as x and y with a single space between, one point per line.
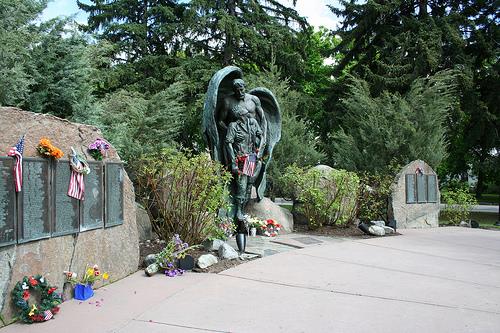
83 288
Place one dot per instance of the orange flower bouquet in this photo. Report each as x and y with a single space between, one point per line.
46 149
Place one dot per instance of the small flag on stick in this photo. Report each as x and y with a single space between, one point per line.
249 165
17 152
47 315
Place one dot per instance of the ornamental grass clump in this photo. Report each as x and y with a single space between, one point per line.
325 198
182 193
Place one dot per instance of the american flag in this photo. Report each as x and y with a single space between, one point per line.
249 165
17 152
47 315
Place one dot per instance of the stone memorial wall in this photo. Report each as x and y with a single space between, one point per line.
42 229
415 198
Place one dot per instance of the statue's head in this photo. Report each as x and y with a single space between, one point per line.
239 88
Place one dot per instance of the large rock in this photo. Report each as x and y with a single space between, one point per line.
376 230
408 211
227 252
212 245
114 249
144 227
206 260
266 209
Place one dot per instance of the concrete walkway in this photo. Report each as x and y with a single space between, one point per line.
434 280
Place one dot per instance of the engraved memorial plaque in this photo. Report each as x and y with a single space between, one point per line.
431 188
421 188
66 208
8 216
410 189
114 194
34 208
93 204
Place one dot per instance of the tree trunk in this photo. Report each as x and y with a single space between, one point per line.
229 45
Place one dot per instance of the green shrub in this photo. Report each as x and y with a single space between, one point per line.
458 202
374 193
182 193
325 198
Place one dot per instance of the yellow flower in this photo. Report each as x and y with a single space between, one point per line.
33 309
105 276
90 271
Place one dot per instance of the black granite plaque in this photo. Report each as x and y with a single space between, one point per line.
8 214
421 188
34 207
431 188
114 194
410 189
66 209
93 204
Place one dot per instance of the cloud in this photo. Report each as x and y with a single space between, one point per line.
57 8
317 12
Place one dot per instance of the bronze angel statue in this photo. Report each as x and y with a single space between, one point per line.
241 130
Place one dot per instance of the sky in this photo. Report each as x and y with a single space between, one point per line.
316 11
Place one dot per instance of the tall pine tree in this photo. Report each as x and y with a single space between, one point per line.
392 43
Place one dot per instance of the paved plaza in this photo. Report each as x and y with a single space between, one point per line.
432 280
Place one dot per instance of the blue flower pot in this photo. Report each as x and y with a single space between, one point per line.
83 292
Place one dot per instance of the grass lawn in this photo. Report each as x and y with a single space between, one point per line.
485 220
489 198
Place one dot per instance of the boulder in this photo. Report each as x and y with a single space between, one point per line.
115 249
376 230
379 223
144 228
266 209
389 230
206 260
150 259
227 252
404 205
212 245
464 224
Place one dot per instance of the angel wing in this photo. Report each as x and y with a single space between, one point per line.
272 113
220 86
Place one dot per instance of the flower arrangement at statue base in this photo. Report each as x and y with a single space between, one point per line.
22 297
169 258
269 227
83 289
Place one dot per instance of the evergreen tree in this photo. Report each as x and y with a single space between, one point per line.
249 33
392 43
137 28
17 33
393 127
61 71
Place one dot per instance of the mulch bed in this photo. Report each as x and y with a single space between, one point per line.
350 231
156 245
